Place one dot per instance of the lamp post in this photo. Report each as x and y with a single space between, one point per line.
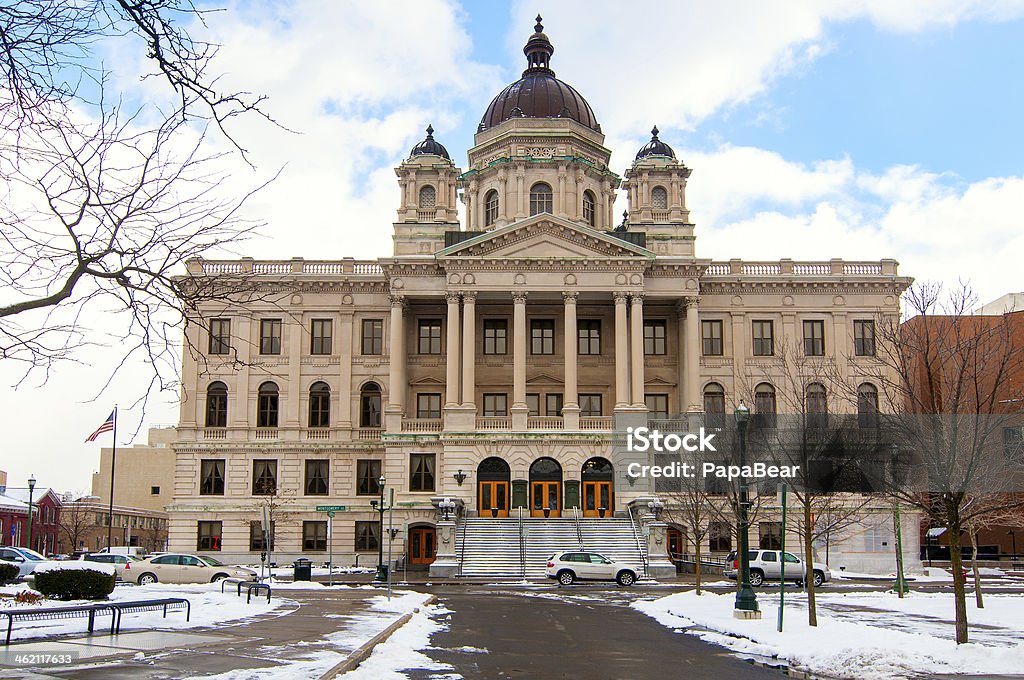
1013 537
746 601
31 487
382 571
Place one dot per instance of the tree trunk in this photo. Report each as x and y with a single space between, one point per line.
697 564
956 561
812 609
979 599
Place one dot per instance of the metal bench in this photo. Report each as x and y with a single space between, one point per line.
250 586
133 607
69 612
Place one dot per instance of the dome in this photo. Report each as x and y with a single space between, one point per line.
655 147
430 146
539 94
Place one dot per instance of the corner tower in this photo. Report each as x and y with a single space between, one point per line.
656 193
538 148
428 181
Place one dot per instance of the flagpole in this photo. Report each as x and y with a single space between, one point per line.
110 505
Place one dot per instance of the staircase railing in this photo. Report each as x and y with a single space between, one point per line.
579 529
639 546
522 545
462 548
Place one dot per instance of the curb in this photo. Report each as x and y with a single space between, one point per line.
364 650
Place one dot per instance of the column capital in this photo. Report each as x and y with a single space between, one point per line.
469 296
638 298
452 296
397 300
691 301
620 296
519 297
570 297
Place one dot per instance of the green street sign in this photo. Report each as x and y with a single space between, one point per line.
331 508
330 513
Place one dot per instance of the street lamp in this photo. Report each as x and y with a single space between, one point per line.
746 601
446 506
382 570
31 487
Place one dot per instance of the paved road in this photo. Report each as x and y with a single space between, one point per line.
595 636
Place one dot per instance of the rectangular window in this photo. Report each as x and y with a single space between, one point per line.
367 538
320 331
270 336
257 543
590 405
764 338
373 336
496 404
428 405
814 338
154 490
654 337
533 402
719 537
367 476
657 405
421 472
220 336
317 476
264 477
770 535
711 333
864 338
553 404
877 537
211 477
430 336
314 536
495 336
589 335
208 536
542 336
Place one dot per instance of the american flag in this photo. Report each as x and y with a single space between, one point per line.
107 426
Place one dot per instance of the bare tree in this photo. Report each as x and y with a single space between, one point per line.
689 504
76 518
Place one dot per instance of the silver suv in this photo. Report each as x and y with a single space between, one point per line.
571 565
765 566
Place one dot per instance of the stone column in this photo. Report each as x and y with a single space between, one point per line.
348 349
520 410
469 350
636 348
396 376
680 351
693 341
621 356
451 396
571 406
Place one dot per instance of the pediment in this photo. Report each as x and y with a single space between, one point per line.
426 381
545 237
544 379
658 381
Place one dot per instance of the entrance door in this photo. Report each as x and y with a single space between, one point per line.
493 499
545 495
422 546
597 495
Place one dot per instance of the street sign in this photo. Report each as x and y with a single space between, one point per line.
331 508
330 513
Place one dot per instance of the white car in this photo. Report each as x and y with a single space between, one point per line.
765 566
178 568
26 560
572 565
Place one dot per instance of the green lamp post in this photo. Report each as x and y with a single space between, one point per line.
746 601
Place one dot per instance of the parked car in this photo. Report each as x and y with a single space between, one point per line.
572 565
765 566
179 568
122 563
133 550
27 560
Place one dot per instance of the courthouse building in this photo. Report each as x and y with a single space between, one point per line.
487 360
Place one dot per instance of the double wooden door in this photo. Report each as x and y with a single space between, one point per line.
597 495
545 495
493 499
422 545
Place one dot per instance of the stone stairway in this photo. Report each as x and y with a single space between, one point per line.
491 546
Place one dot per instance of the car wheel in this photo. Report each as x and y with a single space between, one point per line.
626 578
218 578
756 577
566 577
147 579
819 578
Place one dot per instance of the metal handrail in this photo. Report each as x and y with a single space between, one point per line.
522 545
639 547
579 529
462 549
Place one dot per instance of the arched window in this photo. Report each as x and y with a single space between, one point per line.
428 197
764 405
267 405
319 405
816 405
659 198
491 208
589 213
369 405
867 405
541 200
714 405
217 405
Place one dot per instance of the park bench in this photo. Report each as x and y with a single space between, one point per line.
250 587
69 612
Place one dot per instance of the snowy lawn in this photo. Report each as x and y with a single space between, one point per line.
867 636
209 608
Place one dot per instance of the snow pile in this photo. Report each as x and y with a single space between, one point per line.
75 565
845 648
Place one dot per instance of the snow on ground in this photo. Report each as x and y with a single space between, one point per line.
850 642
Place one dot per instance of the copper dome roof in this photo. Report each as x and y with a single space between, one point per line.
539 94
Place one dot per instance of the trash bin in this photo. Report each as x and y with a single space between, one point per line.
302 570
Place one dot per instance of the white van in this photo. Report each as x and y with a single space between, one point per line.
133 550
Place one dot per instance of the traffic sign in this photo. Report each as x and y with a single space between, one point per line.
331 508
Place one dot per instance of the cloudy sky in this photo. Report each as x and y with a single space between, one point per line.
853 128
